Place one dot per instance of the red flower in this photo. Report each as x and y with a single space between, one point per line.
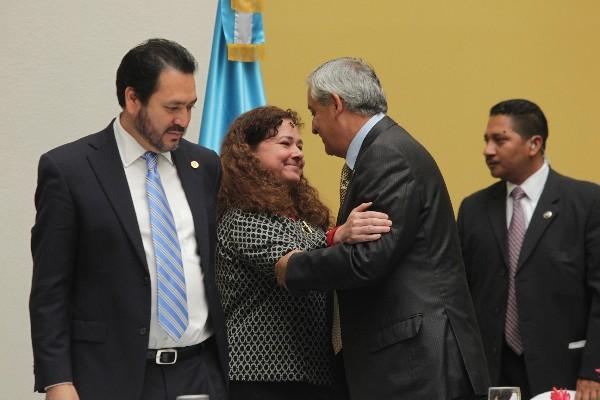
559 394
598 371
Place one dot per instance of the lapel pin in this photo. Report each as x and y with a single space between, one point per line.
195 165
547 215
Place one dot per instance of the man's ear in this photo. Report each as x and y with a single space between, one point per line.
535 145
338 103
132 103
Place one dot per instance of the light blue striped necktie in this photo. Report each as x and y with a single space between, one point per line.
172 300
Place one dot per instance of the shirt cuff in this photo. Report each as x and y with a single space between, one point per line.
57 384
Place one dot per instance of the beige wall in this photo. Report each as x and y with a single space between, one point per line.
443 64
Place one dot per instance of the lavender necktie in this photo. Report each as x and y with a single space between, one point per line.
516 232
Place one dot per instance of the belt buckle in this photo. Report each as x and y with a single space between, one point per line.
168 353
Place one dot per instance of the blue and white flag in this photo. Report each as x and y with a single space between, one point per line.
234 83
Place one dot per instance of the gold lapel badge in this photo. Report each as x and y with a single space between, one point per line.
547 215
194 164
306 228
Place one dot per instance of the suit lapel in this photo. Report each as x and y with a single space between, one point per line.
108 168
545 212
379 127
192 181
497 214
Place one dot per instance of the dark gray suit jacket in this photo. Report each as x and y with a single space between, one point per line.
557 281
90 294
408 325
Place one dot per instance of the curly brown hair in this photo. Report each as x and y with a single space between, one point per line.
247 185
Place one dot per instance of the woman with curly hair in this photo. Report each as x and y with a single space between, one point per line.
279 345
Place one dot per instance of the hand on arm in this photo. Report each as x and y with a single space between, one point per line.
63 391
362 226
587 390
281 268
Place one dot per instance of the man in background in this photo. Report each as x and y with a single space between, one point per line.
123 301
408 328
531 245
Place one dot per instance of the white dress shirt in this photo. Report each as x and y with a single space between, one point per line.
135 170
533 188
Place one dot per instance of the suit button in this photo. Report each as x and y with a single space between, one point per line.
494 349
497 310
503 273
146 280
143 331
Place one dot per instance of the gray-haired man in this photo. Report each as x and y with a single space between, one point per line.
408 328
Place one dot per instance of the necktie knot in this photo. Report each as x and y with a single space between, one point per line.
151 160
517 193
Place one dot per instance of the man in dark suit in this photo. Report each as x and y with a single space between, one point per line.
408 328
123 301
533 261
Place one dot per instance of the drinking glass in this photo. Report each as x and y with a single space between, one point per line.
504 393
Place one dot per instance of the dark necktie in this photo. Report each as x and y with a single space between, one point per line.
336 331
344 181
516 232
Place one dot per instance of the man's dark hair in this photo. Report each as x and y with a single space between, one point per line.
527 118
142 65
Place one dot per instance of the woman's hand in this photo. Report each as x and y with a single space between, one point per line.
362 226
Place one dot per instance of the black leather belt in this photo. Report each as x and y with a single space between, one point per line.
171 356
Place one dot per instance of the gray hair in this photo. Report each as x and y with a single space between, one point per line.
353 80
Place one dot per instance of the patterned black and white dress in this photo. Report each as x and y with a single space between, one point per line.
273 336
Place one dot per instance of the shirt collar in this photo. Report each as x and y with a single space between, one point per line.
534 185
356 143
129 148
